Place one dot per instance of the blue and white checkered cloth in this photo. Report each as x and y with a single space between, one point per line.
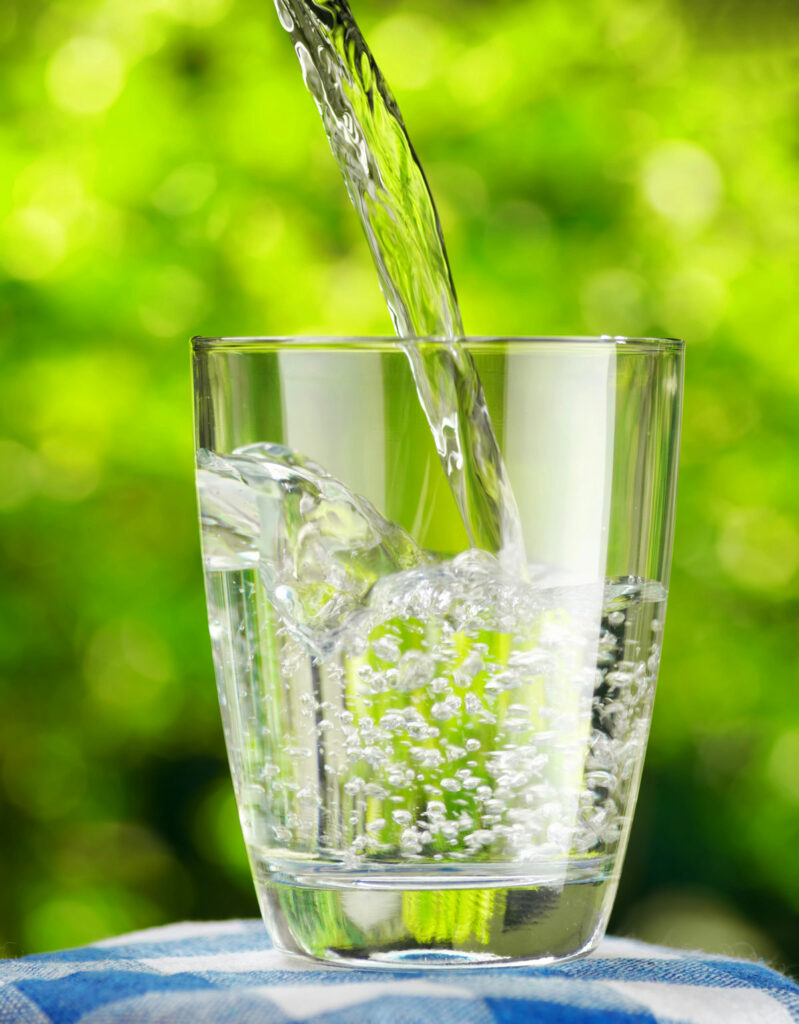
228 972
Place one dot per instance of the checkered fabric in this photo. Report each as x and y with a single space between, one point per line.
228 972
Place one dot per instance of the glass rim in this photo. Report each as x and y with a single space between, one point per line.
201 343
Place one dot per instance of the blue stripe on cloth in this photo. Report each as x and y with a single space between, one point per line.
249 939
588 1000
789 999
66 1000
419 1010
207 1007
517 1011
690 970
338 976
84 955
182 947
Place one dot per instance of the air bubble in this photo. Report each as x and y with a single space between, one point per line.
410 841
446 709
482 837
415 671
386 649
455 753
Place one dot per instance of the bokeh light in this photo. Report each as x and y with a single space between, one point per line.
628 168
85 75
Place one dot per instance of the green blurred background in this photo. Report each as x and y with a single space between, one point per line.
623 167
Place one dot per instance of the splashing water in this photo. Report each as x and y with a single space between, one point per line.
406 707
319 547
391 196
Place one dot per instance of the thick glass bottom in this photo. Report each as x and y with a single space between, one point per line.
441 924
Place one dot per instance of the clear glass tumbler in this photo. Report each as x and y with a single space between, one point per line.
435 750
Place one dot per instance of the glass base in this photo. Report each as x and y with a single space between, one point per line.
442 924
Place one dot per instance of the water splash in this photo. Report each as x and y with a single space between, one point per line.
392 198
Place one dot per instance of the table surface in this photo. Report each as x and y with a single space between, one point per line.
227 972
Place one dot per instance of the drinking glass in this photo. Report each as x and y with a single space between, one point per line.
436 752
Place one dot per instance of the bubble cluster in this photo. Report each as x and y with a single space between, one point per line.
384 707
460 740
